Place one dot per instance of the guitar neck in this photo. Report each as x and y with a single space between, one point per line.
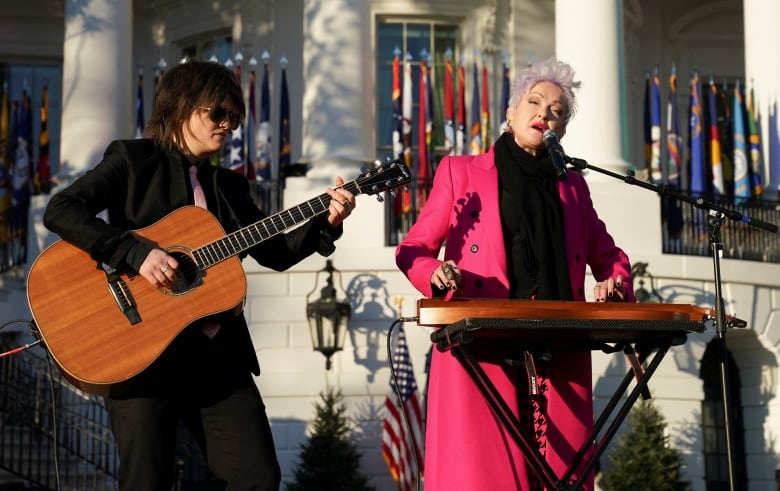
251 235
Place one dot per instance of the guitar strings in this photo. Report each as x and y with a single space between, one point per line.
215 252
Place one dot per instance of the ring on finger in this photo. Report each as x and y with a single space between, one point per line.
164 270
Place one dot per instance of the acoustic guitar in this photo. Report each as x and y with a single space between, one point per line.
104 326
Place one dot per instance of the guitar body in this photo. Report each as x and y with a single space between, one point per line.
93 341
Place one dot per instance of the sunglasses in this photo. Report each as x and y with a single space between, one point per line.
219 114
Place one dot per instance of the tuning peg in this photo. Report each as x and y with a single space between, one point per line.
379 198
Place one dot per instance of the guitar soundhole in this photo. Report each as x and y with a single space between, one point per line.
188 276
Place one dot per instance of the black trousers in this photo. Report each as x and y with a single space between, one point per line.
234 434
198 383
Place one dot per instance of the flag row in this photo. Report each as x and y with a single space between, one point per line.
721 156
461 135
19 175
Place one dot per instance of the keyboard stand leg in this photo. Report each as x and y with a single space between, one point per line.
508 419
600 445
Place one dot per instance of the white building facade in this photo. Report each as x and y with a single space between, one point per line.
97 47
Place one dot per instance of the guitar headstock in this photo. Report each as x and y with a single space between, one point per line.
386 176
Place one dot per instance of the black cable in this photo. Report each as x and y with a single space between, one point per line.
54 433
408 426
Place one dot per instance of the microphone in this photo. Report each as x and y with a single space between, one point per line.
557 155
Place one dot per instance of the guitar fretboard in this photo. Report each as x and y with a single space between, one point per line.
251 235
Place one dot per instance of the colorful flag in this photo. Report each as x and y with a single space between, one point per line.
406 135
504 97
398 146
756 161
716 164
449 110
423 169
5 164
263 139
674 137
725 131
21 138
672 208
397 126
402 445
741 170
476 127
656 170
284 127
460 133
697 172
485 137
42 178
430 134
236 160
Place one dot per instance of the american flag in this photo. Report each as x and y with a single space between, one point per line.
398 444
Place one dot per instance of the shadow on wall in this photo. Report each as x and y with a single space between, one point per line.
372 316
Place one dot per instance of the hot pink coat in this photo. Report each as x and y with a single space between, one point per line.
466 447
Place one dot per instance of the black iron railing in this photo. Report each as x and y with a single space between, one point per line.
39 407
686 231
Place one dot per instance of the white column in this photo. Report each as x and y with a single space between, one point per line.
97 95
337 95
588 36
97 80
762 71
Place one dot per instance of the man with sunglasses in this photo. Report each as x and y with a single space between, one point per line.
204 377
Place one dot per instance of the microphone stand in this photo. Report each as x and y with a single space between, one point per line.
714 220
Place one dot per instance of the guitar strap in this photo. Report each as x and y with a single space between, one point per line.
121 293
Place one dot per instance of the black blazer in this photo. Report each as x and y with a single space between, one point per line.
138 183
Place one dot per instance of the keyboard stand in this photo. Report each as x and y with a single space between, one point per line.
636 339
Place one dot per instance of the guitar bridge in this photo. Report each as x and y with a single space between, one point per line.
121 294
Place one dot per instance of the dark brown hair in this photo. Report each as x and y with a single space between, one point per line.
185 88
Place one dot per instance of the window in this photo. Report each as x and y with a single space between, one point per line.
415 38
27 161
220 47
24 86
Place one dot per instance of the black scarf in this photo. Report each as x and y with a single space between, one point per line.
532 222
